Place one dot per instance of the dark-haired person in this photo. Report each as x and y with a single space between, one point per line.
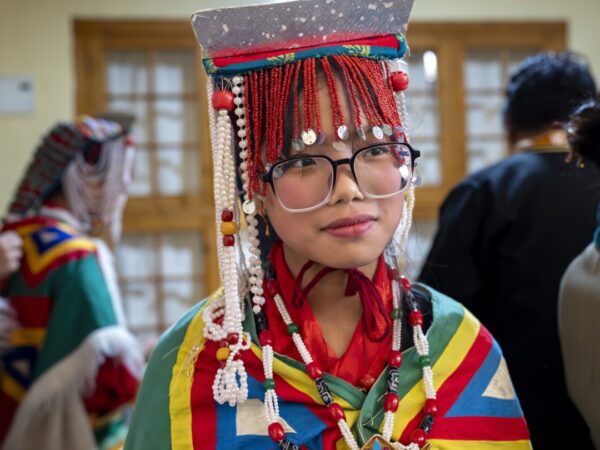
507 233
579 302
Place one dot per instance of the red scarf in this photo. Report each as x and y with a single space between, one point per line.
364 358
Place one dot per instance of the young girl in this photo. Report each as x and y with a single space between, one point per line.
323 345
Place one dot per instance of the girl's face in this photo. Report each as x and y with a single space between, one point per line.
350 230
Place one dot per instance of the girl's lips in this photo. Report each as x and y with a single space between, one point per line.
348 227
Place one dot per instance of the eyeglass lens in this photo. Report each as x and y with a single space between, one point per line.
307 181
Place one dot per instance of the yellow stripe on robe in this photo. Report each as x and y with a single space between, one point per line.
181 383
21 337
11 388
447 363
300 381
443 444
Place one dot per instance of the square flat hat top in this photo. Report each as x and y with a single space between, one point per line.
239 40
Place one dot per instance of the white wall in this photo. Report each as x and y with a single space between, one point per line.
36 39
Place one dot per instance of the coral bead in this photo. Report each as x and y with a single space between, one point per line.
276 432
393 274
391 402
415 318
418 437
430 407
223 100
406 283
265 338
232 338
226 215
336 412
399 81
228 241
223 354
367 381
395 359
228 228
314 371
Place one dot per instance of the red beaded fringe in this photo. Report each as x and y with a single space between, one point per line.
267 95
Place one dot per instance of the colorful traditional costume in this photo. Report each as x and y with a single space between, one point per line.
69 367
249 367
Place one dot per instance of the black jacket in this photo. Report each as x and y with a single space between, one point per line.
506 235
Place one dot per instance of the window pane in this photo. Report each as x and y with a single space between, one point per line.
126 72
179 297
483 70
484 153
160 88
140 305
178 171
135 257
486 74
161 276
175 72
180 255
175 121
141 184
423 114
484 115
139 108
429 164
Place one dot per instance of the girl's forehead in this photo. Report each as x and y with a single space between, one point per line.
340 148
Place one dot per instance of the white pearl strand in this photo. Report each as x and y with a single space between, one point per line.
422 347
231 382
388 418
271 403
256 272
217 170
409 202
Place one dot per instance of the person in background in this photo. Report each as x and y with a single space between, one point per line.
507 233
69 367
579 302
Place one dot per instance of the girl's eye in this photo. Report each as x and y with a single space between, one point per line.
302 162
377 151
294 164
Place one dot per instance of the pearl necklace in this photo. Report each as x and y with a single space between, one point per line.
391 401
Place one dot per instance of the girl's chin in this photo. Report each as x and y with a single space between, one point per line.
349 258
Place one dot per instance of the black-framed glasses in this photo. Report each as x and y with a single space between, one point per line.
305 182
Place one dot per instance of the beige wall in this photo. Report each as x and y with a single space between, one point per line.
36 39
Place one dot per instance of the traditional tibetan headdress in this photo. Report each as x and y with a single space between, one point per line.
263 63
78 157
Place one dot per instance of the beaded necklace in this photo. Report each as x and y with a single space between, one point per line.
401 290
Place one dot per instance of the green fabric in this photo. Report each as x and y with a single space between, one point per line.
155 427
81 305
447 317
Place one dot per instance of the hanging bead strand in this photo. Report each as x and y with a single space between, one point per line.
230 384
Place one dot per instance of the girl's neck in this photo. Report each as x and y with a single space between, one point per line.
329 289
336 313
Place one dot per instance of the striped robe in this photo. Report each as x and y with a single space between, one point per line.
477 405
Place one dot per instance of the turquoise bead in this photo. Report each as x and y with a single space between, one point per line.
424 361
292 328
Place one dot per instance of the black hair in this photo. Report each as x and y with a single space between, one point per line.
544 89
584 131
